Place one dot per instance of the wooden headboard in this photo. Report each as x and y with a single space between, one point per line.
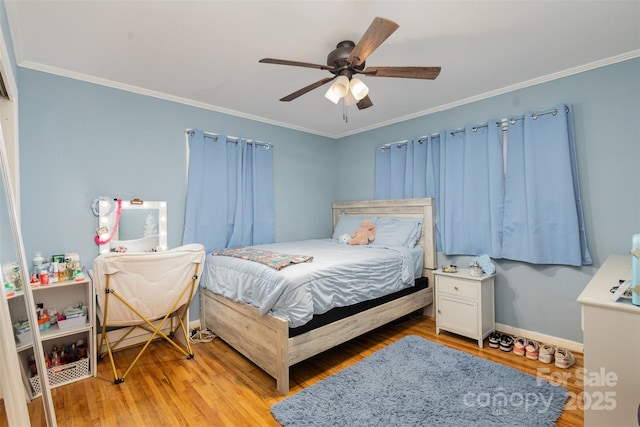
399 208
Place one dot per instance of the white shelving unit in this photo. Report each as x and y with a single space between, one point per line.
60 296
465 304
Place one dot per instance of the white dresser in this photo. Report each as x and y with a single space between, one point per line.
464 304
611 349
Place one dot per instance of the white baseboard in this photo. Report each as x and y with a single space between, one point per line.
574 346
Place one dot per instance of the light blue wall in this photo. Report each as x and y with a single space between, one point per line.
79 141
607 110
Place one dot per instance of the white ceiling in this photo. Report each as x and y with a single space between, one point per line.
206 52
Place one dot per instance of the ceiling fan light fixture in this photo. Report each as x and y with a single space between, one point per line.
341 86
331 95
350 99
358 89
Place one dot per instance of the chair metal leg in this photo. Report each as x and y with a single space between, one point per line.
155 330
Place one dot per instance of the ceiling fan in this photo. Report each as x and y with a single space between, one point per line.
348 59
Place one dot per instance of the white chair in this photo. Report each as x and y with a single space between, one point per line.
148 291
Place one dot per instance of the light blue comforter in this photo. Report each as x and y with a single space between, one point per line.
339 275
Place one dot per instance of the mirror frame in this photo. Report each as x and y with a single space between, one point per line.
38 350
107 217
18 414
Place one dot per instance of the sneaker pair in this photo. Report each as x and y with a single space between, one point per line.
506 343
564 358
532 350
546 354
494 340
526 347
519 346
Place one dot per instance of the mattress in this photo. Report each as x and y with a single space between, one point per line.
340 313
339 275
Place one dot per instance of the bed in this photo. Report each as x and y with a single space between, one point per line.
274 342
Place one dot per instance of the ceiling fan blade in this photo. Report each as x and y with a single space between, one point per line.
295 63
364 103
429 73
379 30
306 89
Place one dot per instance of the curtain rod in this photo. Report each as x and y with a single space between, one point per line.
420 139
534 116
502 122
233 139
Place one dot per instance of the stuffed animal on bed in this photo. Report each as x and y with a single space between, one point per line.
363 235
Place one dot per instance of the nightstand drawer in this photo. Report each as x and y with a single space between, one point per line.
453 286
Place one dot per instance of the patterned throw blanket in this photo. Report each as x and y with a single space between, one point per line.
268 258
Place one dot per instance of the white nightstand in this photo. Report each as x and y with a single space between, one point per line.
464 304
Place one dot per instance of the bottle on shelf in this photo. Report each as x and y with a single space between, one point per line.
82 349
44 276
72 354
38 260
63 355
54 276
61 272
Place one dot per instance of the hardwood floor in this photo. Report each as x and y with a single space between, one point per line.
219 387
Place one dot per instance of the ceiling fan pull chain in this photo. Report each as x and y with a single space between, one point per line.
345 117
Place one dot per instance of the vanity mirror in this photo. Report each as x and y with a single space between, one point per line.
21 354
131 226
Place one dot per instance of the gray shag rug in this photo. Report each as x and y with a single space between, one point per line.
416 382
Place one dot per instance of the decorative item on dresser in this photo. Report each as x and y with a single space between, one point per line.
465 303
269 340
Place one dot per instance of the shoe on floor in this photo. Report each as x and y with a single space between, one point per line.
564 358
519 346
546 352
506 343
494 340
532 349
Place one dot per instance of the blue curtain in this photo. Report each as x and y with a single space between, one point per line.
516 197
471 191
543 219
230 192
409 169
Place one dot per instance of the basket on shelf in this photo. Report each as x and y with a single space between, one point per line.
63 374
72 323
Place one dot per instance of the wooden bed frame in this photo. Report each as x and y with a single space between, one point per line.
265 339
